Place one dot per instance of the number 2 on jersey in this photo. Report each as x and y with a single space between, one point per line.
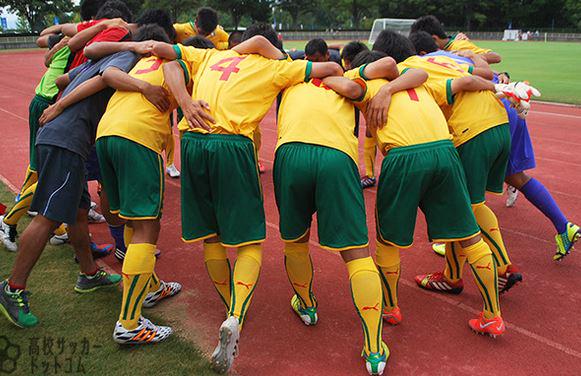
227 70
156 63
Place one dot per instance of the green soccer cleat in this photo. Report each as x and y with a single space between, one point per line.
566 240
439 249
376 362
308 315
14 305
100 280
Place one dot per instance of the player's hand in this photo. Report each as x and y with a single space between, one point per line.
197 113
143 48
377 109
461 36
158 96
50 113
465 53
115 22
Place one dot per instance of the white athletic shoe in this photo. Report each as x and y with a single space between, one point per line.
512 194
94 216
59 239
146 332
227 349
172 171
8 235
32 213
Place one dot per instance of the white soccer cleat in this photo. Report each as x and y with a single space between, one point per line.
227 349
146 332
172 171
519 95
95 216
166 290
512 195
59 239
8 235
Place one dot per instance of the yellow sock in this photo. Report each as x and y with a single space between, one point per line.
218 267
369 151
484 270
30 178
388 262
366 293
137 270
491 234
455 260
61 230
154 283
127 234
244 279
21 207
299 269
170 150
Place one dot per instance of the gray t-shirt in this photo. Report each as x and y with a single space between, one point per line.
75 128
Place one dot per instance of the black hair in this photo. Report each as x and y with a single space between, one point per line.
423 42
351 49
54 39
395 45
89 9
431 25
114 9
199 41
366 57
150 32
207 20
159 17
235 38
264 29
315 46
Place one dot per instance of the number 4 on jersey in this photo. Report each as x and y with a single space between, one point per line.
227 70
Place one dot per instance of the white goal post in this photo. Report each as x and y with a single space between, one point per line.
400 25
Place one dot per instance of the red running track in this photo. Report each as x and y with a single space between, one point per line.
542 313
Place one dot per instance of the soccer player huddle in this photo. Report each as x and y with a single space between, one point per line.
432 108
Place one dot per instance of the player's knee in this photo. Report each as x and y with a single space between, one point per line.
518 180
477 251
252 251
473 240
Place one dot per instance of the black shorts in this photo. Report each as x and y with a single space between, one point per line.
92 164
62 184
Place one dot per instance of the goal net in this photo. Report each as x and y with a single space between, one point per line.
400 25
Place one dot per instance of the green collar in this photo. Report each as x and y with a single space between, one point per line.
451 40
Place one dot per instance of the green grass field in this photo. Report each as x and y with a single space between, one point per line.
548 66
74 334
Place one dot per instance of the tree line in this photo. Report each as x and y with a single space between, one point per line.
336 14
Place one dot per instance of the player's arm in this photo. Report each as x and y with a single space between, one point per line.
50 53
82 38
378 107
385 67
491 57
62 81
84 90
469 83
322 70
481 67
98 50
195 111
42 41
119 80
261 46
165 51
345 87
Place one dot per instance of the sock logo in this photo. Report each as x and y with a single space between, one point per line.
247 285
304 285
225 283
392 273
484 267
494 229
370 308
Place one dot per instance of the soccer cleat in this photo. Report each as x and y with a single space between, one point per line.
8 234
14 305
100 250
439 249
392 316
376 362
308 315
59 239
146 332
492 327
509 279
166 290
100 280
94 216
227 349
438 282
566 241
512 195
367 182
32 213
172 171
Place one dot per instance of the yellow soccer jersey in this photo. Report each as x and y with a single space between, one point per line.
468 113
312 113
413 118
130 115
185 30
240 89
457 45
